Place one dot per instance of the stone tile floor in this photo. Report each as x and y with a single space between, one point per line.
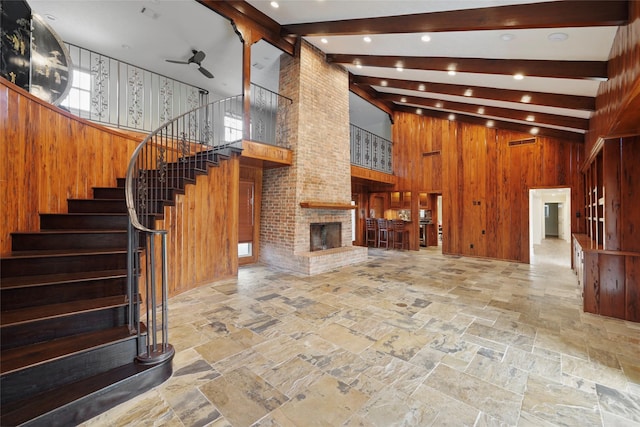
405 339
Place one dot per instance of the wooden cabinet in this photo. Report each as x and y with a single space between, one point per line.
607 258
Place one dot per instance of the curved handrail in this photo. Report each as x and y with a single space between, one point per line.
166 160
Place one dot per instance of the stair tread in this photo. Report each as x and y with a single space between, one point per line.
52 279
70 231
61 252
16 413
15 359
28 314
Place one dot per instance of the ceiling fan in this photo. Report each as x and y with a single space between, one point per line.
197 58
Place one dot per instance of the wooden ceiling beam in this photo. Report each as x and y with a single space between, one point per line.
242 13
526 67
574 102
499 124
557 14
535 118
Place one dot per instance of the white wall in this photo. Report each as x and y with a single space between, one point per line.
537 199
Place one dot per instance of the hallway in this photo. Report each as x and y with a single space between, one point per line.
407 338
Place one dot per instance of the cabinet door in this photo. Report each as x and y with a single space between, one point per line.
395 199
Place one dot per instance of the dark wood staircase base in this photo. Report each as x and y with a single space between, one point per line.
82 400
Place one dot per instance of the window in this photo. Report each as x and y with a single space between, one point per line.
245 249
232 129
79 97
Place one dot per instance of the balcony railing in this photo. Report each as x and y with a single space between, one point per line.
269 117
371 151
115 93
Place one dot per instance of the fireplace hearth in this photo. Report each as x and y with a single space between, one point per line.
325 235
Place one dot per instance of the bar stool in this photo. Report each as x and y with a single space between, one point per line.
383 233
371 232
400 235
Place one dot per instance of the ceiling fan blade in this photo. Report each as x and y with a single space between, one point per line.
206 72
198 57
176 62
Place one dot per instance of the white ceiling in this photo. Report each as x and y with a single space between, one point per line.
118 28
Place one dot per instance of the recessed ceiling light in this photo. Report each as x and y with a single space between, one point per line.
468 92
367 39
399 69
438 104
534 131
358 65
403 99
452 116
451 72
518 76
558 37
275 5
490 123
383 83
419 111
481 110
323 40
531 118
421 87
507 37
525 98
425 38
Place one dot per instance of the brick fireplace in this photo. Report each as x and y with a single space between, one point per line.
317 187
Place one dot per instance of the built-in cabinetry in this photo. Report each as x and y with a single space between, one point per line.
607 257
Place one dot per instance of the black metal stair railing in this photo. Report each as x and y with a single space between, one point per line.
370 151
162 164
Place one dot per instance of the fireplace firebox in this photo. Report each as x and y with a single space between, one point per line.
325 235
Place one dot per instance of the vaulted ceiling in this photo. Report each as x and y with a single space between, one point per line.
453 59
522 65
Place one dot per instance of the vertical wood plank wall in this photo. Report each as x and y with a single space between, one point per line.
618 96
484 182
48 156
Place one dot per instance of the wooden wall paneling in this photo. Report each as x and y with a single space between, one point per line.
502 214
48 160
516 173
491 196
632 285
630 193
577 190
612 285
591 288
612 185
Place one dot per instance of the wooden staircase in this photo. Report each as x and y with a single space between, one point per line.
67 353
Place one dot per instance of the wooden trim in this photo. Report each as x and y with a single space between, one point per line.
327 205
242 13
584 13
528 67
506 113
371 175
575 102
268 153
499 124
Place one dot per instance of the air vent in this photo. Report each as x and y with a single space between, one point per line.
522 142
431 153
